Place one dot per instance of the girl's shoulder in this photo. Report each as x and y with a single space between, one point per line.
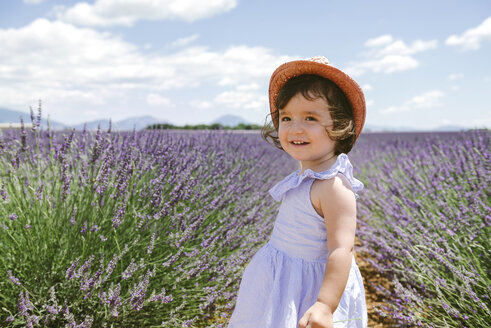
338 187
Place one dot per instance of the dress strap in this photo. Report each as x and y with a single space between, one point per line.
293 180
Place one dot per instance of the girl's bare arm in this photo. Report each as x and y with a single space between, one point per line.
338 204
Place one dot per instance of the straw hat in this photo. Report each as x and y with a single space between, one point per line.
320 66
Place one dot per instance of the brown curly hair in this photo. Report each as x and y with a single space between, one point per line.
312 87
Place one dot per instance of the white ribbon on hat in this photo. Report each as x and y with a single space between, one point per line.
320 59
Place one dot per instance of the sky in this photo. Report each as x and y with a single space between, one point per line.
421 64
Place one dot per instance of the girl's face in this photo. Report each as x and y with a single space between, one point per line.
304 121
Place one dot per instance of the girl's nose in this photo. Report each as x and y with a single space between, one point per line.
297 126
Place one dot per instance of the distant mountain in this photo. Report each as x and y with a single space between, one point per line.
230 120
92 125
139 123
13 116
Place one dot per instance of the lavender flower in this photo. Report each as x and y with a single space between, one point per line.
152 244
130 269
13 279
161 297
85 267
70 272
38 118
72 218
84 228
3 193
138 292
39 192
53 309
33 128
112 298
23 135
24 304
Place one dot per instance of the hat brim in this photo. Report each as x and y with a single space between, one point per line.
350 88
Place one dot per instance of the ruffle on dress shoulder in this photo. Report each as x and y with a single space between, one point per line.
293 180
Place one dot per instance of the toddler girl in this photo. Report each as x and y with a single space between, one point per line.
306 275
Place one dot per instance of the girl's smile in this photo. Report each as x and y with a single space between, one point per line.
302 132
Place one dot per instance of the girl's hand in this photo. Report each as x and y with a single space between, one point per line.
318 315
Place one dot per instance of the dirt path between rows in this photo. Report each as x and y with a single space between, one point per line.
373 297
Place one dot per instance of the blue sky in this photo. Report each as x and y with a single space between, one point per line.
421 64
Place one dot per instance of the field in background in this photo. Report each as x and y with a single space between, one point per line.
424 225
154 228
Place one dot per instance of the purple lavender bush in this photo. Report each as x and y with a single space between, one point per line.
130 229
424 221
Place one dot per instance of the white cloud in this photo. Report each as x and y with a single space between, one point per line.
472 38
387 64
379 41
399 48
91 113
237 65
427 100
159 101
367 87
82 68
248 87
455 76
386 55
243 99
184 41
127 12
201 104
370 102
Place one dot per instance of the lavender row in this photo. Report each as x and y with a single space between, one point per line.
425 224
141 228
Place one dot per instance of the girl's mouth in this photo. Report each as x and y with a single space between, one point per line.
299 143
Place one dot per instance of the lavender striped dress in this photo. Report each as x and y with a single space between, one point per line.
284 277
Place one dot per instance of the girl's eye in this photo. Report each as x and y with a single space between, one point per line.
309 118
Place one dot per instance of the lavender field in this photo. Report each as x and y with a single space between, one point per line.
154 228
425 219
